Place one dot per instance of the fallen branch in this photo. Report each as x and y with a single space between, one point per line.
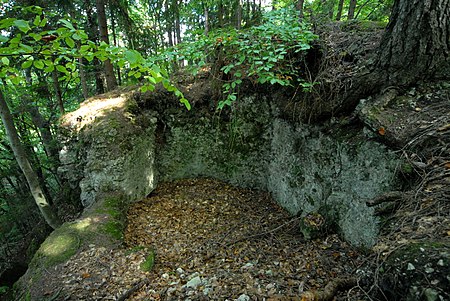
330 290
137 286
392 196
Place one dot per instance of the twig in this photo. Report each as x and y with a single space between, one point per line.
263 233
330 290
137 286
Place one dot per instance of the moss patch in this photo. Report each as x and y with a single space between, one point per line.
149 262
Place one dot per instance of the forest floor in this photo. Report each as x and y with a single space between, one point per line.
202 239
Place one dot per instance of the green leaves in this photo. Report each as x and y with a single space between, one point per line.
22 25
262 54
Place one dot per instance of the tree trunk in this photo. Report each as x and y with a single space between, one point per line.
220 14
58 92
111 82
417 41
339 10
177 20
239 14
299 7
19 153
351 10
83 80
415 46
113 29
206 15
93 36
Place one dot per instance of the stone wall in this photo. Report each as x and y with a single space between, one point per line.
305 170
308 169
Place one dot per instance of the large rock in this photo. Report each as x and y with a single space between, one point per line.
108 149
306 170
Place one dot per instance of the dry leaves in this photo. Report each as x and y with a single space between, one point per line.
211 242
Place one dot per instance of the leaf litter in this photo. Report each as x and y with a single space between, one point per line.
207 240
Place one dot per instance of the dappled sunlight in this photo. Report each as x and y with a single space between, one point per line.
94 108
58 245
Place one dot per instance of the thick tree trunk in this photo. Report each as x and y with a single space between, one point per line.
415 47
351 10
417 41
111 82
47 211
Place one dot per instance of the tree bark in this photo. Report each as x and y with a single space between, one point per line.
83 79
220 14
299 7
206 15
239 14
93 36
351 10
417 41
19 153
111 82
415 47
339 11
58 92
177 5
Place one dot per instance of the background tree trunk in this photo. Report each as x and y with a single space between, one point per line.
239 14
299 7
19 153
111 82
339 10
58 91
351 10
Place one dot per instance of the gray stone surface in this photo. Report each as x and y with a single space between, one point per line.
306 170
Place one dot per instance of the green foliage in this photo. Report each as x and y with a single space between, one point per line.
262 54
29 45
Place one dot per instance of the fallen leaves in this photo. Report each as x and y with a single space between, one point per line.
205 240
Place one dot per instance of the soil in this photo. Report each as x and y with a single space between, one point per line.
202 239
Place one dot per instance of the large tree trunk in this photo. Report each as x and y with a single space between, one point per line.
417 41
47 211
415 46
111 82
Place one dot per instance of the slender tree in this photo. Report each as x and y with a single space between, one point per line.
111 81
351 10
339 10
19 153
